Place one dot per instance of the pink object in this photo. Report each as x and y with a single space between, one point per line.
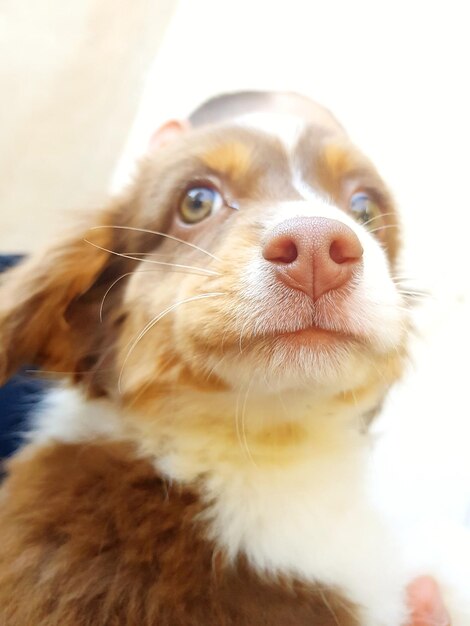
313 254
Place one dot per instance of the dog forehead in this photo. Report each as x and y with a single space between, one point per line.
289 143
300 138
285 127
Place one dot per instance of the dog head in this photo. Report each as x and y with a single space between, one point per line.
257 250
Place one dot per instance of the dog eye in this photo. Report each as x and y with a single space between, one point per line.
198 203
364 210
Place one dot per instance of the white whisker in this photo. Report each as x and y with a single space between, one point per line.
156 232
240 423
156 269
112 285
377 217
403 277
213 368
241 336
237 423
328 606
155 320
243 425
153 254
385 226
202 270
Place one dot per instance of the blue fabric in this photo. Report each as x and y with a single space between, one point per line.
17 398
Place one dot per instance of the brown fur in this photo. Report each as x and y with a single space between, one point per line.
49 307
94 537
233 160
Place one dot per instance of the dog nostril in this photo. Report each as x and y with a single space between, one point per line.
313 254
345 250
281 250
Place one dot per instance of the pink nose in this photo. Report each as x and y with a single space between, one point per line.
313 254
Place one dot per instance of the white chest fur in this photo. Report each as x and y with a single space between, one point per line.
312 520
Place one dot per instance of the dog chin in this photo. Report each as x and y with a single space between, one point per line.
313 359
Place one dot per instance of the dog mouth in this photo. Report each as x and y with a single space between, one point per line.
314 335
309 336
298 328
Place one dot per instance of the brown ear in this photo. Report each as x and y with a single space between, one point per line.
35 298
50 304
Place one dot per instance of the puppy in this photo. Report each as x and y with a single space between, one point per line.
227 328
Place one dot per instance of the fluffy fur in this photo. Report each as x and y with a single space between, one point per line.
125 547
209 465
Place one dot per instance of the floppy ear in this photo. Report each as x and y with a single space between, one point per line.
50 303
35 296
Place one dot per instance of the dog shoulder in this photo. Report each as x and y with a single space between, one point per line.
98 522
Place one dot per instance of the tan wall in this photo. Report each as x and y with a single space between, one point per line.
71 76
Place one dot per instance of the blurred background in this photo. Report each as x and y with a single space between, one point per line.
84 83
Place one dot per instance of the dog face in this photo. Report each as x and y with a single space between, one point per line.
238 258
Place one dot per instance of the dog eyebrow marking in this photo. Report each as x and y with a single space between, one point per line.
233 159
332 160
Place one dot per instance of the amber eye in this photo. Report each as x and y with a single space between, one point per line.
365 211
198 203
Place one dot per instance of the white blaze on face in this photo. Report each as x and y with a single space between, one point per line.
287 128
372 308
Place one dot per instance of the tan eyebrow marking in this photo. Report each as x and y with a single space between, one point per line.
326 159
334 163
234 159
